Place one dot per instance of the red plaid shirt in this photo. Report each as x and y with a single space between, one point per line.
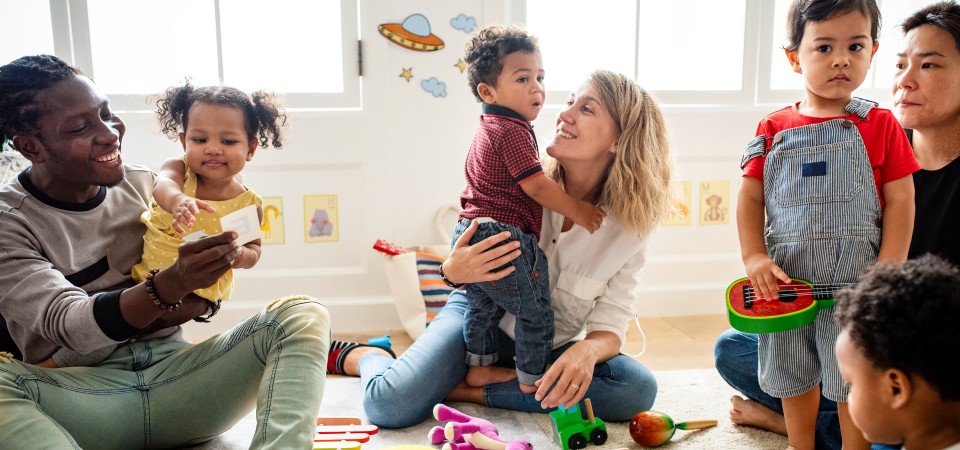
503 155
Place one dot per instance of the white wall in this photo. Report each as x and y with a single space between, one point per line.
397 161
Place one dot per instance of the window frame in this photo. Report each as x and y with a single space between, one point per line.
699 97
758 59
690 98
71 40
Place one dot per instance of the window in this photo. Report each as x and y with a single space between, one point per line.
704 52
30 34
576 37
668 49
136 48
675 54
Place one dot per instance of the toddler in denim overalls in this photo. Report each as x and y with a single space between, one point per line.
827 189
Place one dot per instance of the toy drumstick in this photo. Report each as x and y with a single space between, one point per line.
337 437
653 428
342 445
338 420
337 429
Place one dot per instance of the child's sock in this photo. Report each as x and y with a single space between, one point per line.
338 354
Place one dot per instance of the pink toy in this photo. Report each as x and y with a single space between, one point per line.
464 432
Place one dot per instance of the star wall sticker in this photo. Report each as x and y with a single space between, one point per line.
406 74
460 65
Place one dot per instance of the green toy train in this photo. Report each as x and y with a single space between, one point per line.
572 431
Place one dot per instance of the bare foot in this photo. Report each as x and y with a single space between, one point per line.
478 376
749 412
528 388
463 393
351 364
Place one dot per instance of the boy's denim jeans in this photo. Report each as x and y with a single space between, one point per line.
151 394
525 293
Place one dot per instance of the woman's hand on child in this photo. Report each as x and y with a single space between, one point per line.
589 216
764 274
186 210
478 262
567 379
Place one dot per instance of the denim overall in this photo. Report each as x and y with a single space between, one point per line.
823 225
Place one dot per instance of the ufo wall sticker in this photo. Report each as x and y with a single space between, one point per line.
413 34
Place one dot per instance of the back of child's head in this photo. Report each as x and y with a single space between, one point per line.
485 51
943 15
904 316
802 12
263 118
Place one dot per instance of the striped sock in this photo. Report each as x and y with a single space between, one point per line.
338 354
338 350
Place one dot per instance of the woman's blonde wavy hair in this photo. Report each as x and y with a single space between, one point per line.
636 191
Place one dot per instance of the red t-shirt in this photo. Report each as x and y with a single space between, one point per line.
887 146
503 155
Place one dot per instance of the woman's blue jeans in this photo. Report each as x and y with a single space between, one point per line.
736 355
401 393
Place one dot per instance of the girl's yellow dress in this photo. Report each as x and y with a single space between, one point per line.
160 242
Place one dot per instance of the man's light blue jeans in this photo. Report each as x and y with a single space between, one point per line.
150 394
401 393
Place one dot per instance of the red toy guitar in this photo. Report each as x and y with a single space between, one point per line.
388 248
798 304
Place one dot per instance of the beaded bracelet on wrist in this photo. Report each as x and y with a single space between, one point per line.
448 282
152 292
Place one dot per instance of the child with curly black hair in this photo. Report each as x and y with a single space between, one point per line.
897 351
507 191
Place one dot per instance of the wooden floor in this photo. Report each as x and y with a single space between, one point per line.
673 343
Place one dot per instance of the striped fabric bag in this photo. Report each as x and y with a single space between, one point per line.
433 289
414 278
413 274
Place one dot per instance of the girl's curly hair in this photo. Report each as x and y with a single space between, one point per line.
261 110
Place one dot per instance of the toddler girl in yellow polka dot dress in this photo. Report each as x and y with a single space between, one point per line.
220 129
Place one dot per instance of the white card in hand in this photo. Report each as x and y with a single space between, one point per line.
245 222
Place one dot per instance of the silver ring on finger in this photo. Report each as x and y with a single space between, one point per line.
574 386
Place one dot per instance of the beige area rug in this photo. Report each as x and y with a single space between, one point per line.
684 395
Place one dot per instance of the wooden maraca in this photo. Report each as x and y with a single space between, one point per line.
653 428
